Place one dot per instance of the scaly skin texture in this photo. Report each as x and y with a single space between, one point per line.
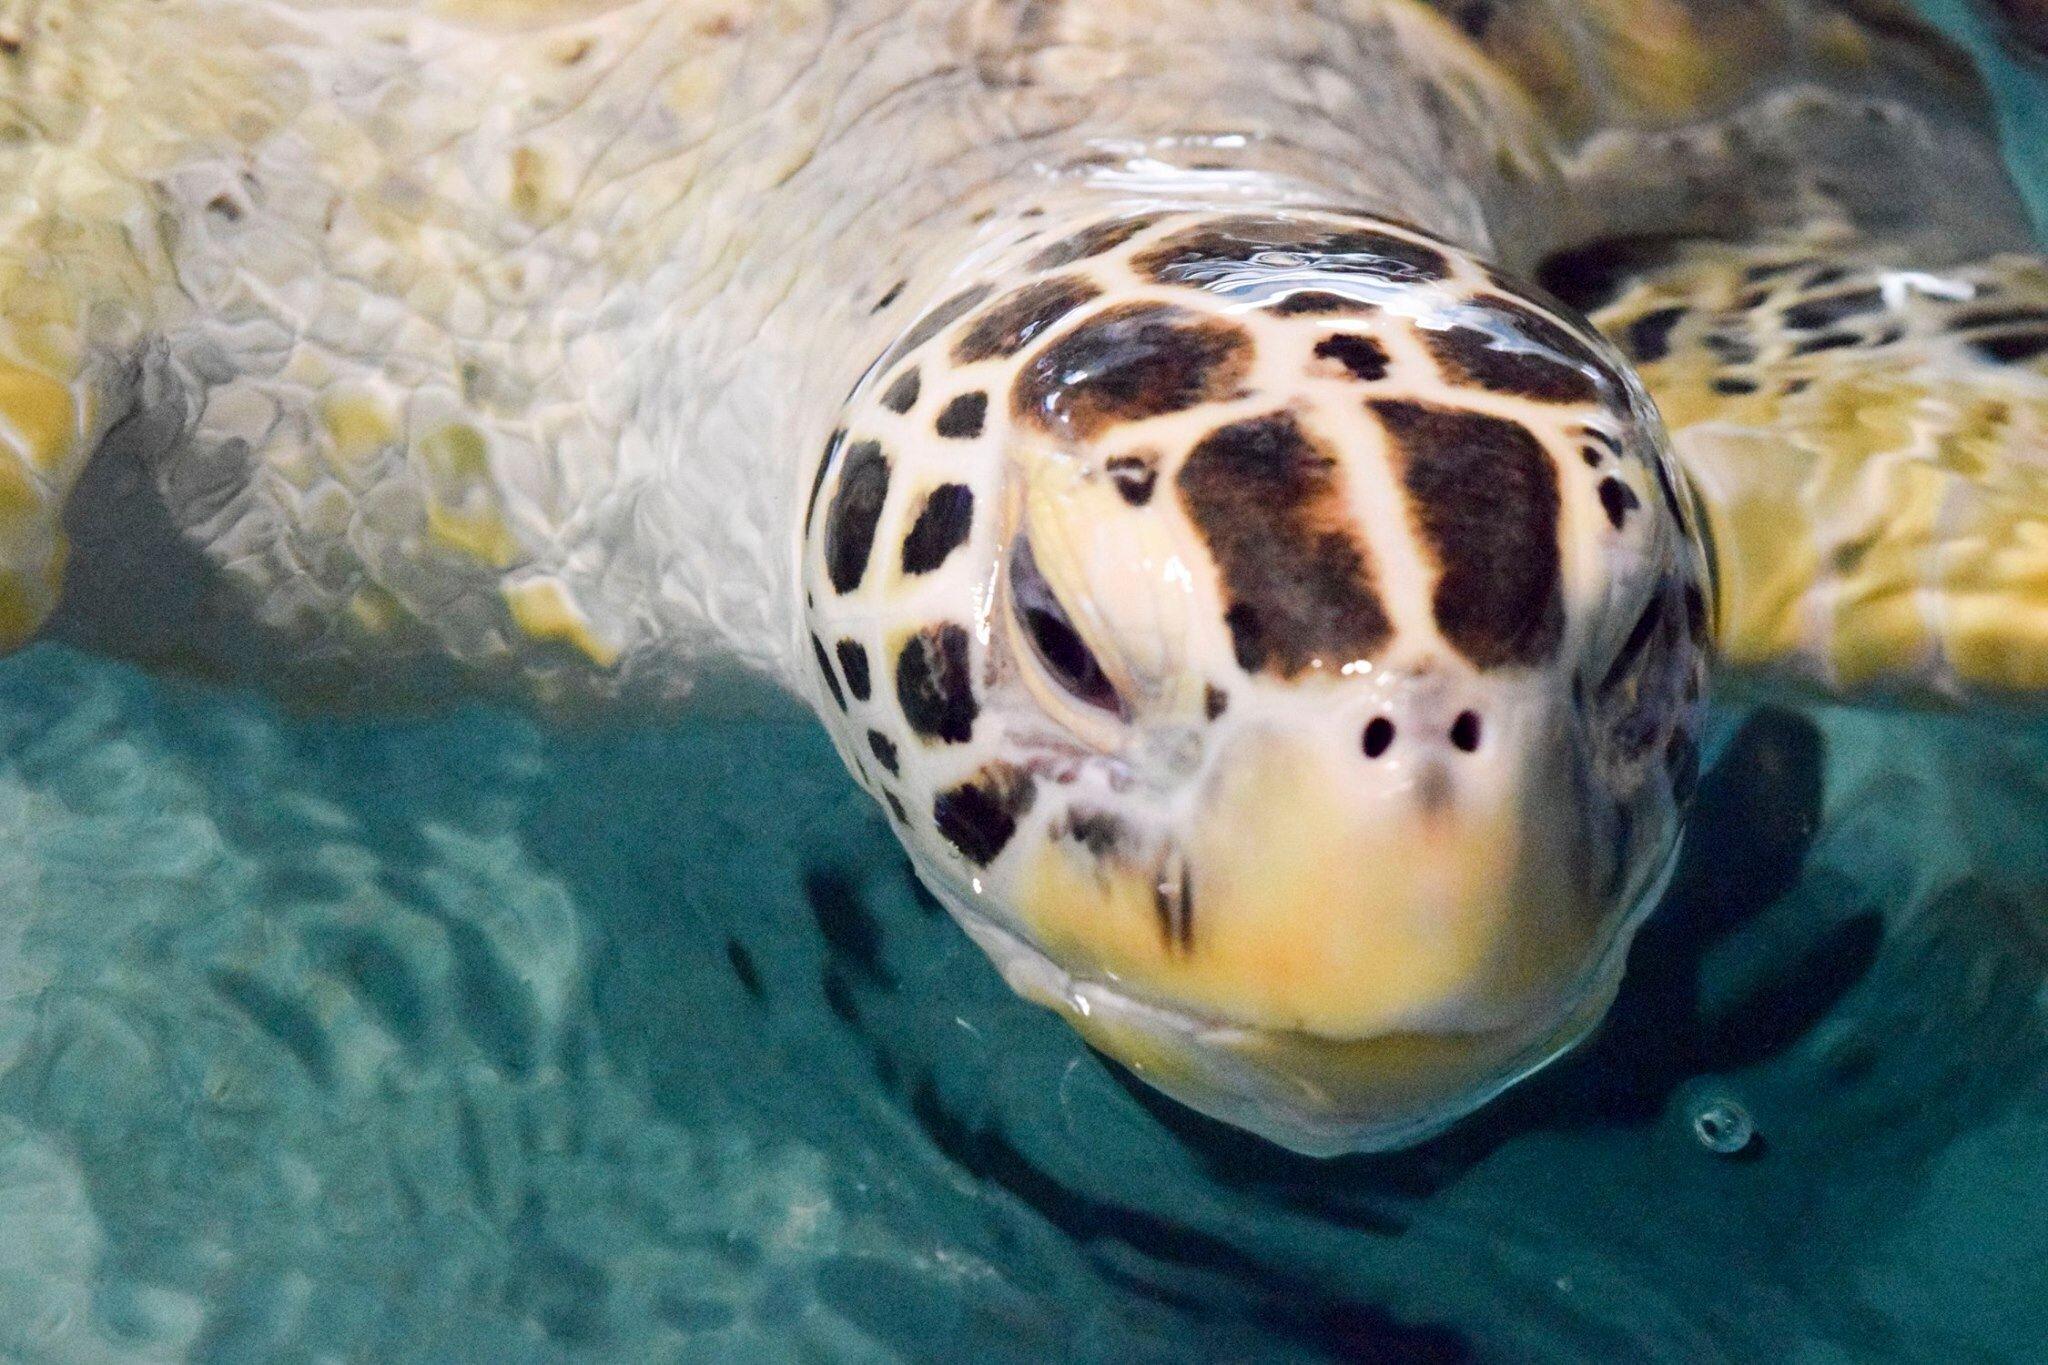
495 332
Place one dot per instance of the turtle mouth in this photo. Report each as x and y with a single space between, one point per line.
1312 1093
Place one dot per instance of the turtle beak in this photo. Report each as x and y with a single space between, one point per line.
1410 925
1444 896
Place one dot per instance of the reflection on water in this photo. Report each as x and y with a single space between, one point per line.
466 1039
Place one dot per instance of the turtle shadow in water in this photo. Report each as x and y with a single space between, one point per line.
1755 819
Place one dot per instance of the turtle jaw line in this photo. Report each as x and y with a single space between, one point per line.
1303 1091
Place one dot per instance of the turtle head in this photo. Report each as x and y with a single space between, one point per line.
1278 640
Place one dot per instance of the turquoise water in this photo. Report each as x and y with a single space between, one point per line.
470 1039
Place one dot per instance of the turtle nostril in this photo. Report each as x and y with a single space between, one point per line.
1378 735
1465 731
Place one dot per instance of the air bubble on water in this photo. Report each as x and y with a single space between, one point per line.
1724 1127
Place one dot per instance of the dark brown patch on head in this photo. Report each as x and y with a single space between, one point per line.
1360 357
980 816
1010 323
818 479
1269 501
1134 477
934 322
941 527
1090 241
1618 499
902 395
856 508
884 750
961 419
1130 362
1216 253
853 662
1484 496
1214 701
825 669
1476 356
1319 302
934 685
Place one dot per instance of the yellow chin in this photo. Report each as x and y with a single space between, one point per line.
1295 905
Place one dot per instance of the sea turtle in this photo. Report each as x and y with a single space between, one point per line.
1275 625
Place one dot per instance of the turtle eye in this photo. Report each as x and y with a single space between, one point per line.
1059 647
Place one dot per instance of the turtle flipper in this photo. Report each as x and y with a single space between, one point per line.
1869 443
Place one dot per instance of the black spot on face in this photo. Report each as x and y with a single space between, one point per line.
825 669
1476 356
902 395
934 686
1592 456
1131 362
1217 253
935 322
942 526
889 296
1815 314
1484 495
896 807
1362 357
1379 736
1319 302
961 419
853 661
1268 501
980 816
1134 477
1090 241
884 750
818 479
1010 323
1734 388
1214 701
1466 732
1619 500
856 508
